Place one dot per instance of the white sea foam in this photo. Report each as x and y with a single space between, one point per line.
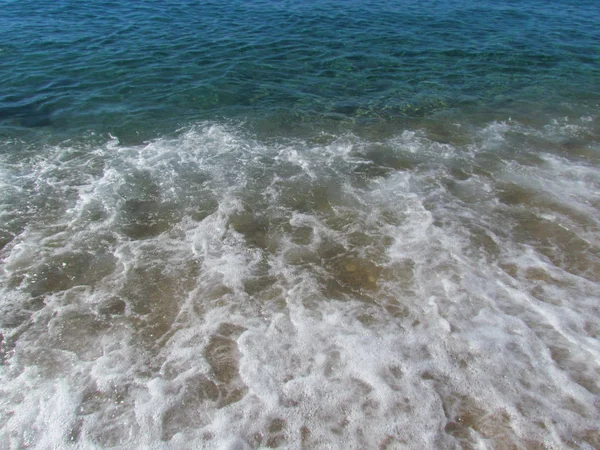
215 291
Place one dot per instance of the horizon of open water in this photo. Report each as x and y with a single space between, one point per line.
311 224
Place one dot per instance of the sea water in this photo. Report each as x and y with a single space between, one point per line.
311 224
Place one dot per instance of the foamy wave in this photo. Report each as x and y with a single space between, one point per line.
216 290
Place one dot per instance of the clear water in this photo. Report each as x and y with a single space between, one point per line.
315 224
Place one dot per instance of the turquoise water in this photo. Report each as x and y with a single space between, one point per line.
314 224
149 69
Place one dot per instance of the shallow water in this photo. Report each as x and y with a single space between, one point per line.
306 225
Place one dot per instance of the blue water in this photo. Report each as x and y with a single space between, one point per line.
300 224
151 67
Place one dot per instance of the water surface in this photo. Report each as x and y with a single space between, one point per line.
315 224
